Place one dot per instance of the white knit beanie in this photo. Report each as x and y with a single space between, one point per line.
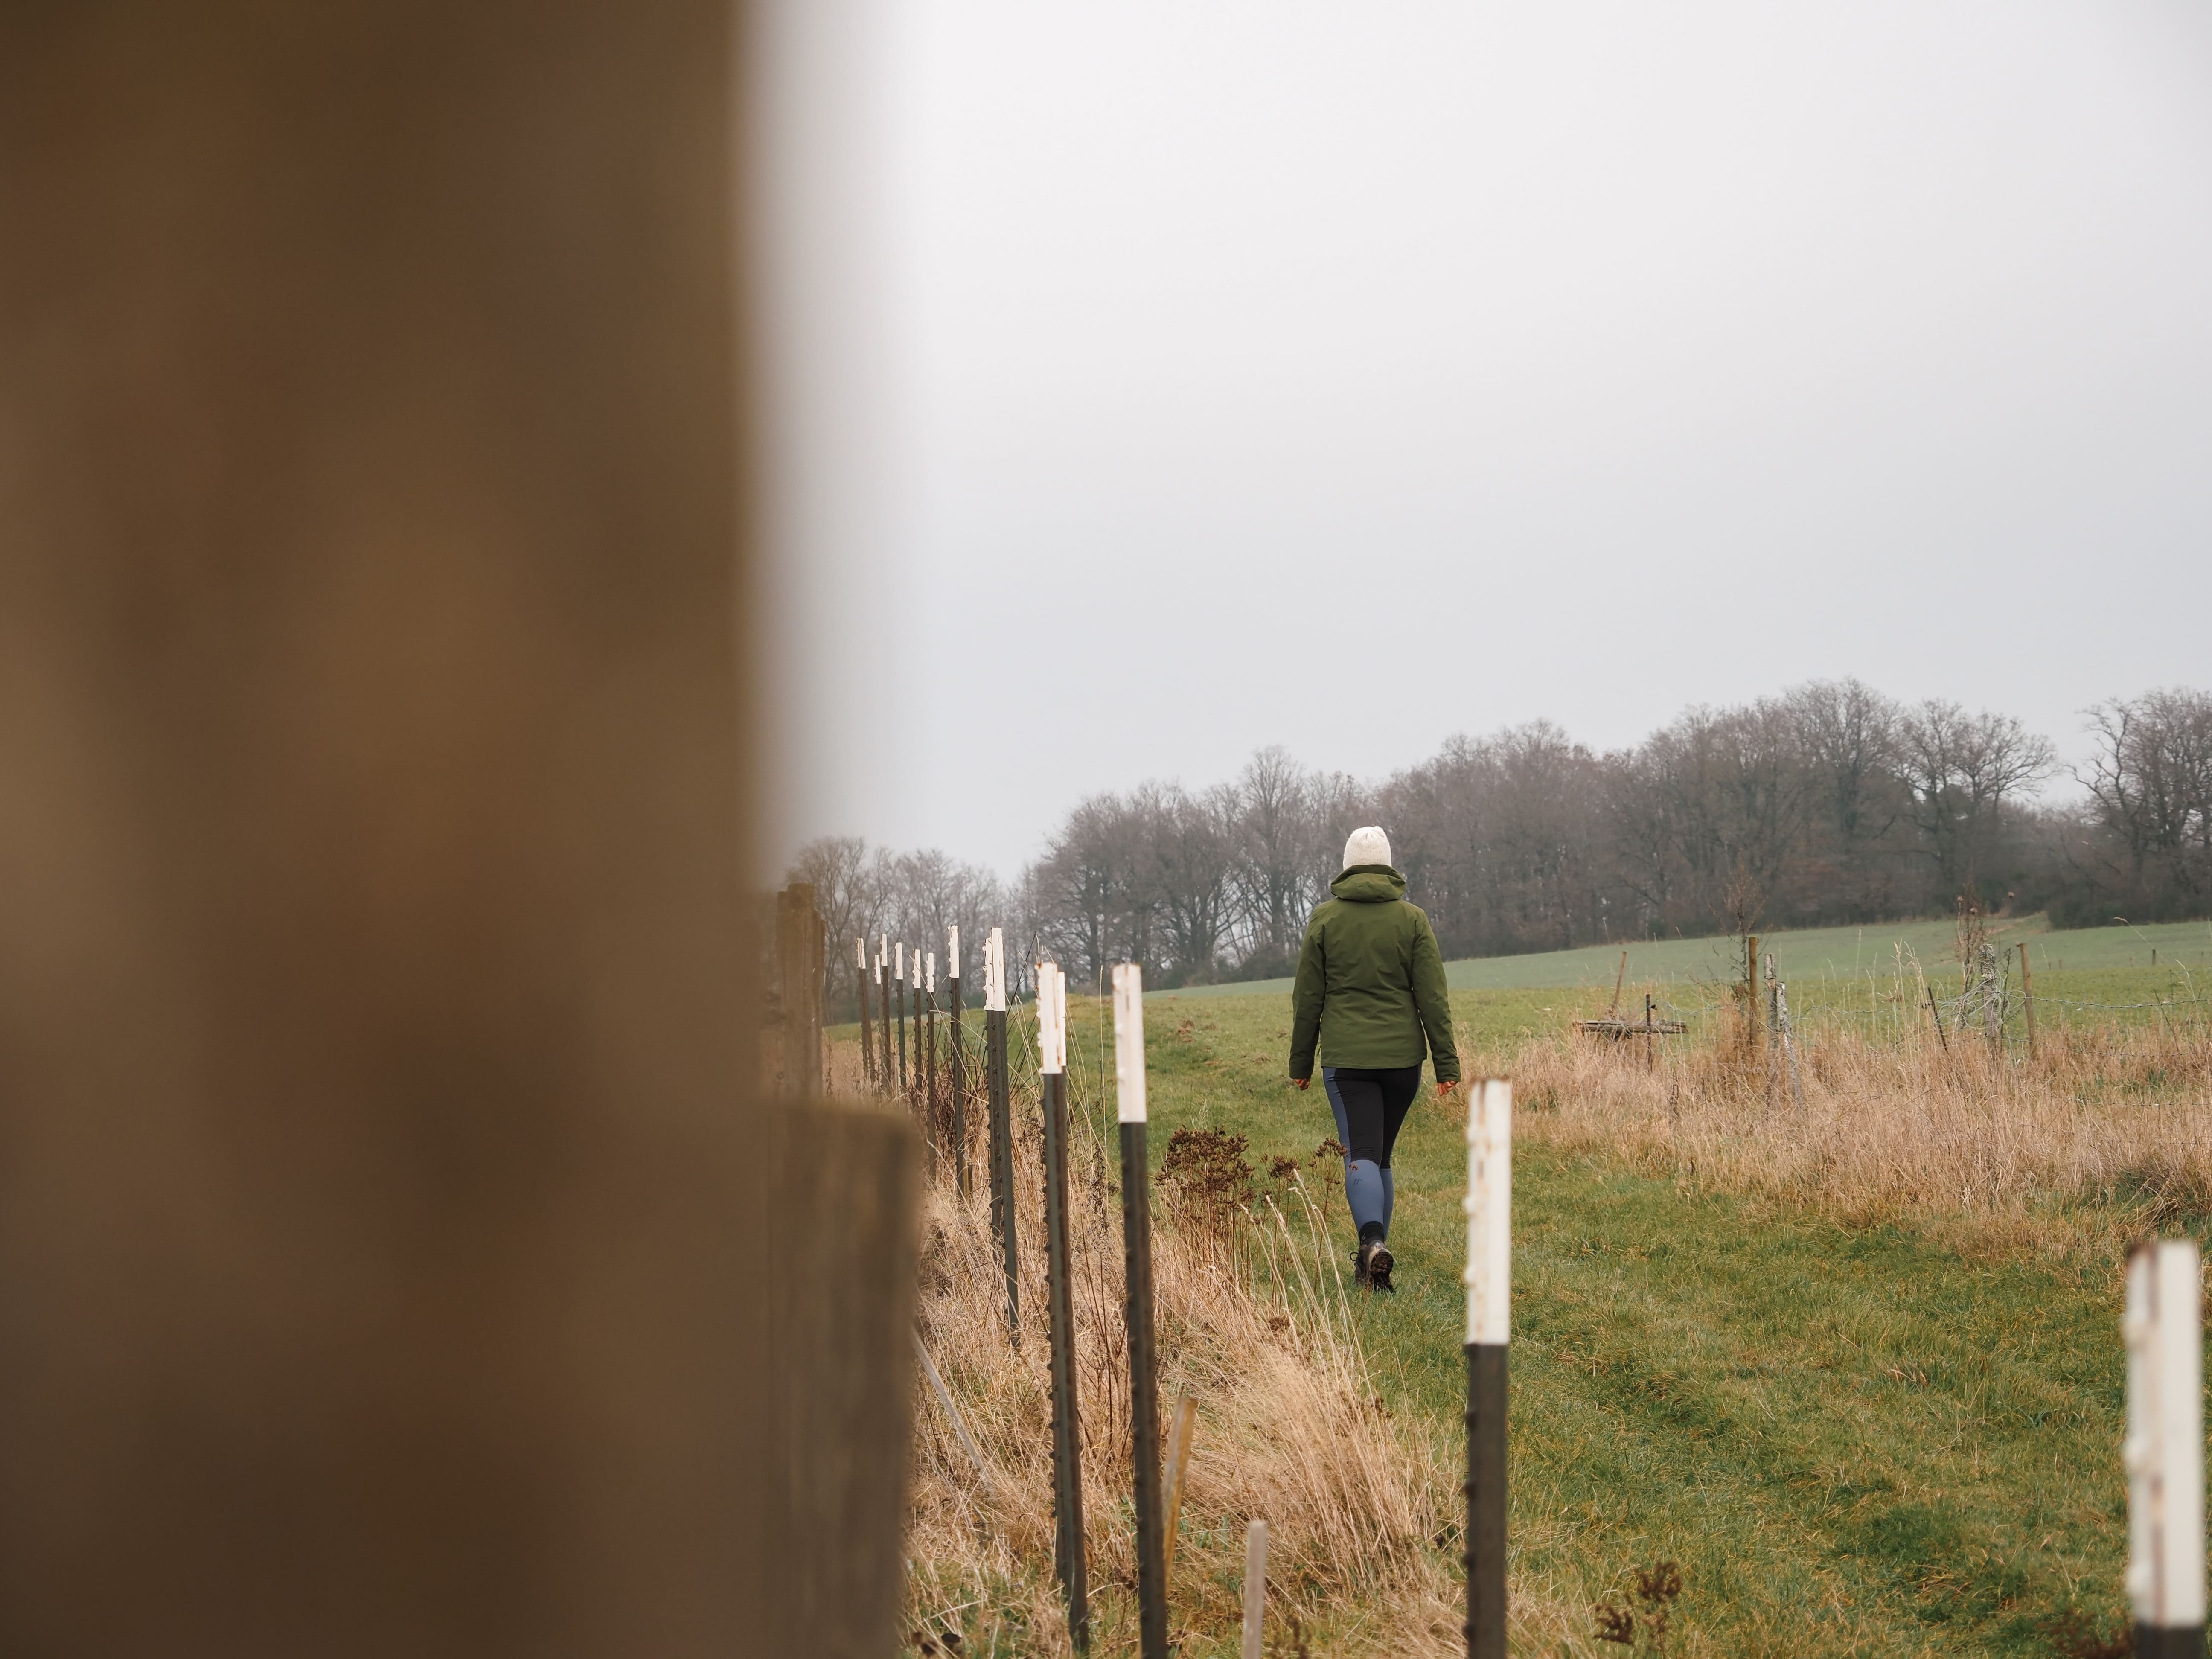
1367 846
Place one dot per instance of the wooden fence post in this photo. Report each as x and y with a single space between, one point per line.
1000 1109
1180 1429
377 610
1137 1261
1751 994
2164 1451
1256 1588
2027 996
799 965
1489 1281
1059 1303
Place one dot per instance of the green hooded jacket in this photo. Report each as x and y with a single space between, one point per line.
1371 984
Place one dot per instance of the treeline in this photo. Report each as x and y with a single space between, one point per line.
1828 804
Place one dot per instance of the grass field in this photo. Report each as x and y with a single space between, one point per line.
1850 1441
1826 954
1853 1436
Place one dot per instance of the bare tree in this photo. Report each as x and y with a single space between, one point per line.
2150 782
1192 849
1276 831
1962 769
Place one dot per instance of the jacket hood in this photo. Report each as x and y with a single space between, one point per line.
1368 883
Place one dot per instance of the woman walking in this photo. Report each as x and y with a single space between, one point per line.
1371 993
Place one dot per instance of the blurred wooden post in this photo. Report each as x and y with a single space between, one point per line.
388 1176
842 1262
1489 1280
1255 1588
2164 1451
1060 1305
1137 1261
1936 1014
1180 1429
2027 996
799 953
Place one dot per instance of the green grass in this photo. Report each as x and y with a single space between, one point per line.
1850 1441
1830 953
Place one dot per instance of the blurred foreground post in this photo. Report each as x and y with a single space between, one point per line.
799 953
2164 1453
385 1173
1256 1588
1000 1108
1489 1307
2027 996
1059 1303
1137 1261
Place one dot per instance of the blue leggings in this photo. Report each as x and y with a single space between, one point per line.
1370 1105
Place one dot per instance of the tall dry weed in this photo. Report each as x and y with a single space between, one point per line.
1255 1320
2104 1133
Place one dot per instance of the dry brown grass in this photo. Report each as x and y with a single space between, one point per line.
2104 1134
1253 1320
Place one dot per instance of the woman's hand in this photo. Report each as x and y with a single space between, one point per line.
1445 1085
1300 1082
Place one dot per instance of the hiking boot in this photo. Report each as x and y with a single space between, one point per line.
1375 1265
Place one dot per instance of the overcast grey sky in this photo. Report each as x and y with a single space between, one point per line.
1160 380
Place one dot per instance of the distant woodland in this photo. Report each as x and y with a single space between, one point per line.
1828 804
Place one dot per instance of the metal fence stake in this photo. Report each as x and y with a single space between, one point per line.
860 995
1060 1304
956 1064
2164 1451
1489 1280
884 1012
1000 1108
1137 1257
924 1044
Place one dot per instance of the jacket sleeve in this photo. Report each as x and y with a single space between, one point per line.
1307 993
1432 997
